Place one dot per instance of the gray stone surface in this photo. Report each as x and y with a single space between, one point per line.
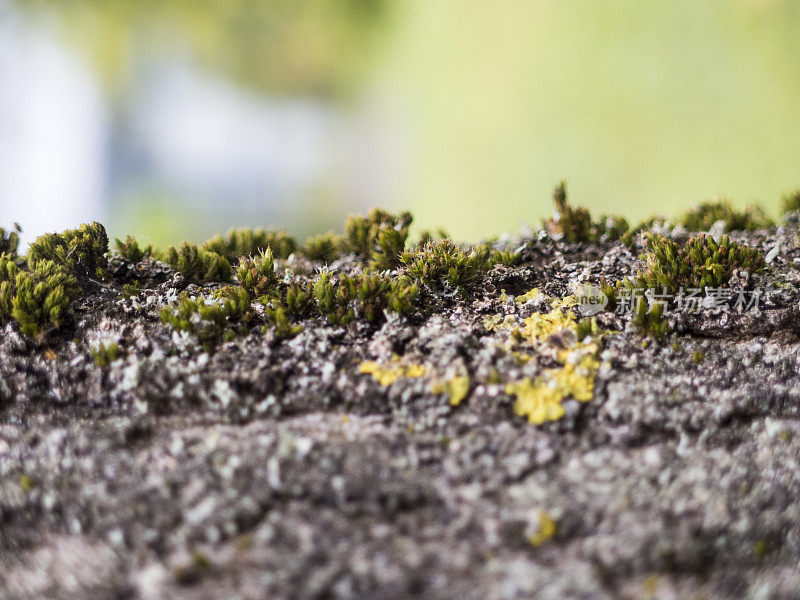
274 469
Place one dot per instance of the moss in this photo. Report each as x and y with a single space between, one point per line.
444 264
131 290
80 251
574 223
365 295
791 202
257 274
131 250
198 264
41 297
701 262
697 357
379 237
706 214
325 247
650 319
212 319
280 324
332 302
9 240
247 242
104 354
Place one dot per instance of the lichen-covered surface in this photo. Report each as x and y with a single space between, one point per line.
388 460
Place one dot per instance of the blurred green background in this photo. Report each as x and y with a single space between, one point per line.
465 112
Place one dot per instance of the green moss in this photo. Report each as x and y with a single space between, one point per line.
105 354
574 223
701 262
380 237
257 274
650 319
443 263
333 302
791 202
246 242
9 240
129 290
212 319
697 357
41 297
81 251
703 216
131 250
280 324
197 263
325 247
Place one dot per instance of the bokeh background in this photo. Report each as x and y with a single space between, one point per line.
175 120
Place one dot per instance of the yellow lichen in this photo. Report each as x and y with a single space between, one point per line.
548 528
456 388
531 295
537 401
387 375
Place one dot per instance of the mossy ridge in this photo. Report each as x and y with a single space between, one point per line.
703 216
669 269
249 242
80 251
197 263
37 294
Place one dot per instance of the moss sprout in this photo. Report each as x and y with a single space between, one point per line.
701 262
325 247
39 298
443 263
198 263
81 251
379 237
104 354
212 319
247 242
131 250
574 223
257 274
706 214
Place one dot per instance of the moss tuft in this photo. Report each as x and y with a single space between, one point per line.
380 237
197 263
80 251
574 223
212 319
706 214
701 262
9 240
257 274
443 263
325 247
37 298
131 250
105 354
791 202
247 242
